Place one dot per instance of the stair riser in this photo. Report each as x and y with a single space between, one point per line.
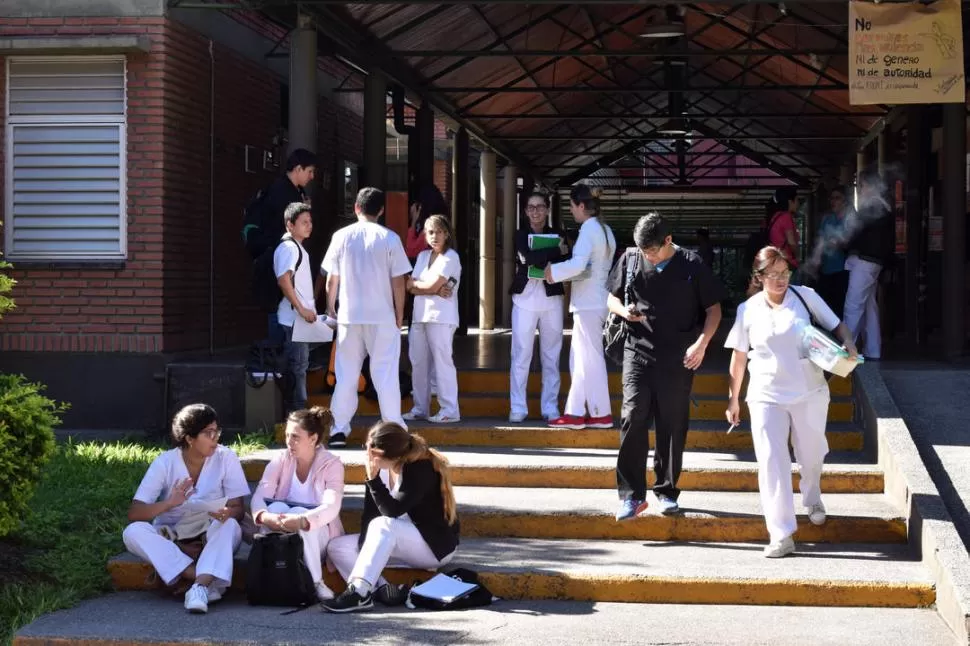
497 381
512 437
559 478
663 528
622 588
706 409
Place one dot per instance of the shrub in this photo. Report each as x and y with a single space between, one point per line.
27 421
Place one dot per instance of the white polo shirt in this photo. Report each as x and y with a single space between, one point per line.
366 256
771 337
435 309
284 260
221 477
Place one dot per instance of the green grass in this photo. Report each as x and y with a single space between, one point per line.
75 524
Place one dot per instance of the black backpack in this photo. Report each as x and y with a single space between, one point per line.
276 573
253 231
265 287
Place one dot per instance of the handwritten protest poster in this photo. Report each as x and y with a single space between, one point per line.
905 53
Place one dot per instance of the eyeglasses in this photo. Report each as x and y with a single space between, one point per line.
212 434
536 207
777 275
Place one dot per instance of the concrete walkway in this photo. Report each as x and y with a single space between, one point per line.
935 404
145 618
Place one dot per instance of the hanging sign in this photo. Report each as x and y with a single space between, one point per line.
905 52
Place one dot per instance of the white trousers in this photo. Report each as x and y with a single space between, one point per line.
221 541
390 542
524 323
770 427
861 308
590 388
354 343
314 540
430 351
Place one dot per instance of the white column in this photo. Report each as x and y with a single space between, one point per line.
509 220
303 85
486 273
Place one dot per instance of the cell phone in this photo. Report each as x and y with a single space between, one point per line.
451 283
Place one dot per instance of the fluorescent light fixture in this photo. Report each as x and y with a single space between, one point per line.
674 126
663 30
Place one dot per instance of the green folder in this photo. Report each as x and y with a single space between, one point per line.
541 241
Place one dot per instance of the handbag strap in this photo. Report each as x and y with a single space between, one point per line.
811 314
632 266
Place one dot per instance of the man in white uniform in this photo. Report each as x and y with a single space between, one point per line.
367 273
291 265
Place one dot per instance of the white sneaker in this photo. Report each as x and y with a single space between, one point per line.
443 419
414 414
197 599
213 594
816 514
517 418
782 548
323 592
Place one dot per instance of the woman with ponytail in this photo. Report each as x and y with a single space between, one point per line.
410 517
302 488
588 402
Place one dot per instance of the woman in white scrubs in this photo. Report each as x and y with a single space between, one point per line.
588 403
305 487
434 284
787 393
194 491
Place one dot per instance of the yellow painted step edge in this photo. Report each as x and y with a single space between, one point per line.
619 588
584 439
605 478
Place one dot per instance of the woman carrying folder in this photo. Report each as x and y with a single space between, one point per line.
535 303
410 517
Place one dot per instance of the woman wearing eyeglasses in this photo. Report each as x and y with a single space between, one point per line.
787 393
302 489
191 493
535 303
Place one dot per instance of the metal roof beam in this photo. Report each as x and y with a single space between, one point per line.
664 115
660 137
574 52
631 90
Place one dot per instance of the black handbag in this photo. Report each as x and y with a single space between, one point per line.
616 329
276 572
267 359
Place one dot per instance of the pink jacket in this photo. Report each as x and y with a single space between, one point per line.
327 475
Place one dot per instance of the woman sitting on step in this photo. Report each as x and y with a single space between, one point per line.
787 394
302 488
409 519
191 494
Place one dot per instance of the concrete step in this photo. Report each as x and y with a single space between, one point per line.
472 381
707 516
140 618
498 432
487 404
633 571
596 469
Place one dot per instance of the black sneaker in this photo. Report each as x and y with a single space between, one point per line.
391 594
349 601
337 441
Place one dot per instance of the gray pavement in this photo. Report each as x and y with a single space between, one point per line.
135 617
935 404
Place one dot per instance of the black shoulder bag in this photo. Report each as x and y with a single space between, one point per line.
617 328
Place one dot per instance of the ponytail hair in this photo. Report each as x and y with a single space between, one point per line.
315 421
588 197
404 447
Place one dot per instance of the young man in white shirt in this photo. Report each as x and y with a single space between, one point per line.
367 272
291 264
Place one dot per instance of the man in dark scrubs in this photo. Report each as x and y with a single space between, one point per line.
674 310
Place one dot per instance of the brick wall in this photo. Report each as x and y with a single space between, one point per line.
160 299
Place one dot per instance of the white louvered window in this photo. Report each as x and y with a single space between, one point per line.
65 159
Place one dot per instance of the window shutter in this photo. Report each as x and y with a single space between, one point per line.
65 159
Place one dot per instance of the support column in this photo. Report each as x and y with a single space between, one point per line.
881 145
375 131
954 225
917 152
425 133
303 85
459 220
860 164
486 242
510 214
